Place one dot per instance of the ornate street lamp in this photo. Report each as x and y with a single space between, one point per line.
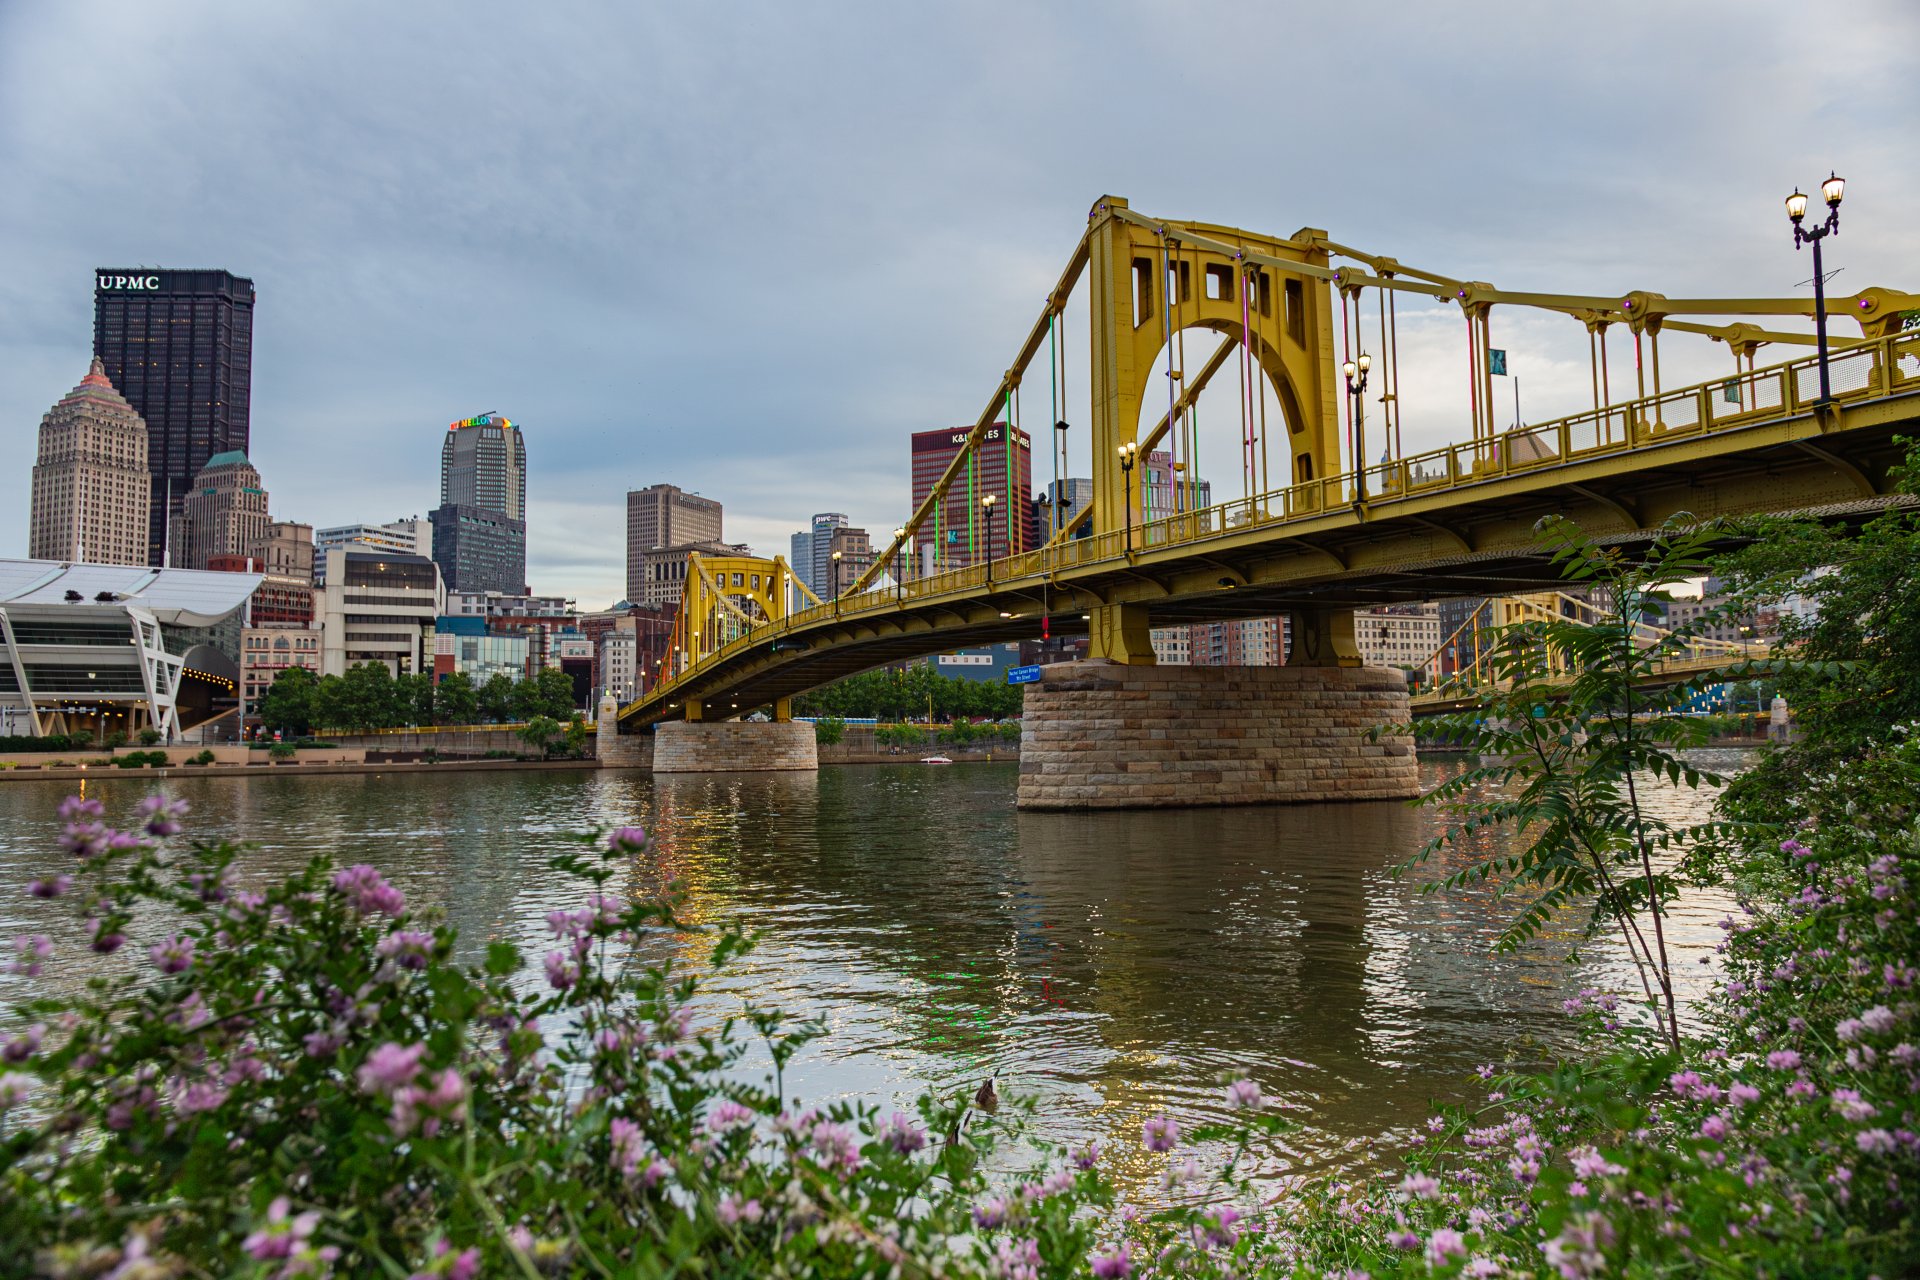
986 506
836 581
1356 372
900 543
1831 191
1128 452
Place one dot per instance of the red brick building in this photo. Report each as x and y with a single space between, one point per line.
956 535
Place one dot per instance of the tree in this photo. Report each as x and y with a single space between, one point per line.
455 701
1564 758
288 704
416 697
1859 653
371 698
540 733
496 698
330 708
579 735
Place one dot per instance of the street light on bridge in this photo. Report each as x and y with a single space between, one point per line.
986 506
900 549
836 581
1128 452
1831 190
1356 372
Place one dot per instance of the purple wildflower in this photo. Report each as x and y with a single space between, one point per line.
627 840
1420 1186
728 1114
902 1134
408 948
14 1088
24 1045
1160 1133
368 891
281 1235
1784 1060
1444 1245
163 815
391 1066
175 955
1114 1262
49 886
561 972
1874 1142
1084 1157
31 952
989 1214
733 1210
1243 1095
201 1095
1850 1105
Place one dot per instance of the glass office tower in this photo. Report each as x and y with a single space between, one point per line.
179 346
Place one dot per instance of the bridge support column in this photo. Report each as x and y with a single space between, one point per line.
1101 735
733 746
1121 633
1323 638
616 750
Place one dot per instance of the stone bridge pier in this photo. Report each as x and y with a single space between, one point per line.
1116 735
706 746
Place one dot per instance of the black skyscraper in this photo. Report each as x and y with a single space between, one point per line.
179 346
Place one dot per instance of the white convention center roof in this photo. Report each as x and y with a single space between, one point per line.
175 597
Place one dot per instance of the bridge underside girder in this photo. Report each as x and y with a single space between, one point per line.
1474 540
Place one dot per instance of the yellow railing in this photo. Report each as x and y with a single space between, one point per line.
1867 371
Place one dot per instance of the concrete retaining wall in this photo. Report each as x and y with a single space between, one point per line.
1104 736
728 746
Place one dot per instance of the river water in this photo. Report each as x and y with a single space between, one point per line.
1115 964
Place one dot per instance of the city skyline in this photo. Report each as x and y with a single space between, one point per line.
529 259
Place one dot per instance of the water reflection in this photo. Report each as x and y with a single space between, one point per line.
1116 963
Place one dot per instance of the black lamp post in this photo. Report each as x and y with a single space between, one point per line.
1059 502
1831 190
986 507
1128 452
1356 372
900 549
836 581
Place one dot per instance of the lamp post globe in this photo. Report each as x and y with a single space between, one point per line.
1127 453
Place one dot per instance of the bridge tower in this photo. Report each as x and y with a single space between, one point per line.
1147 284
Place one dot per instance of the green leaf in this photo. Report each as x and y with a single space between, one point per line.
503 958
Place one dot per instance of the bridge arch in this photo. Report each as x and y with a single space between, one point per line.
1148 286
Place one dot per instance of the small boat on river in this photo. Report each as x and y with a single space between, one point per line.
936 760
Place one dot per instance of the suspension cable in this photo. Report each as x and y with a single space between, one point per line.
1246 387
1053 378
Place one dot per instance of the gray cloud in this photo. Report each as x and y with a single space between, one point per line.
746 248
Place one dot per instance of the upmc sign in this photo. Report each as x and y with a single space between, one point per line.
127 284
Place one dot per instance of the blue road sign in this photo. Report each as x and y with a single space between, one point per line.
1023 675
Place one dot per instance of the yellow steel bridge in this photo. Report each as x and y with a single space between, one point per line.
1321 538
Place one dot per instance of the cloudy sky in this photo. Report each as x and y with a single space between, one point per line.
747 248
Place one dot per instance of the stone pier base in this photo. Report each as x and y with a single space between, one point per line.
1100 735
616 750
730 746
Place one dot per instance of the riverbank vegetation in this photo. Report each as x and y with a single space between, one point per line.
371 697
300 1079
910 693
